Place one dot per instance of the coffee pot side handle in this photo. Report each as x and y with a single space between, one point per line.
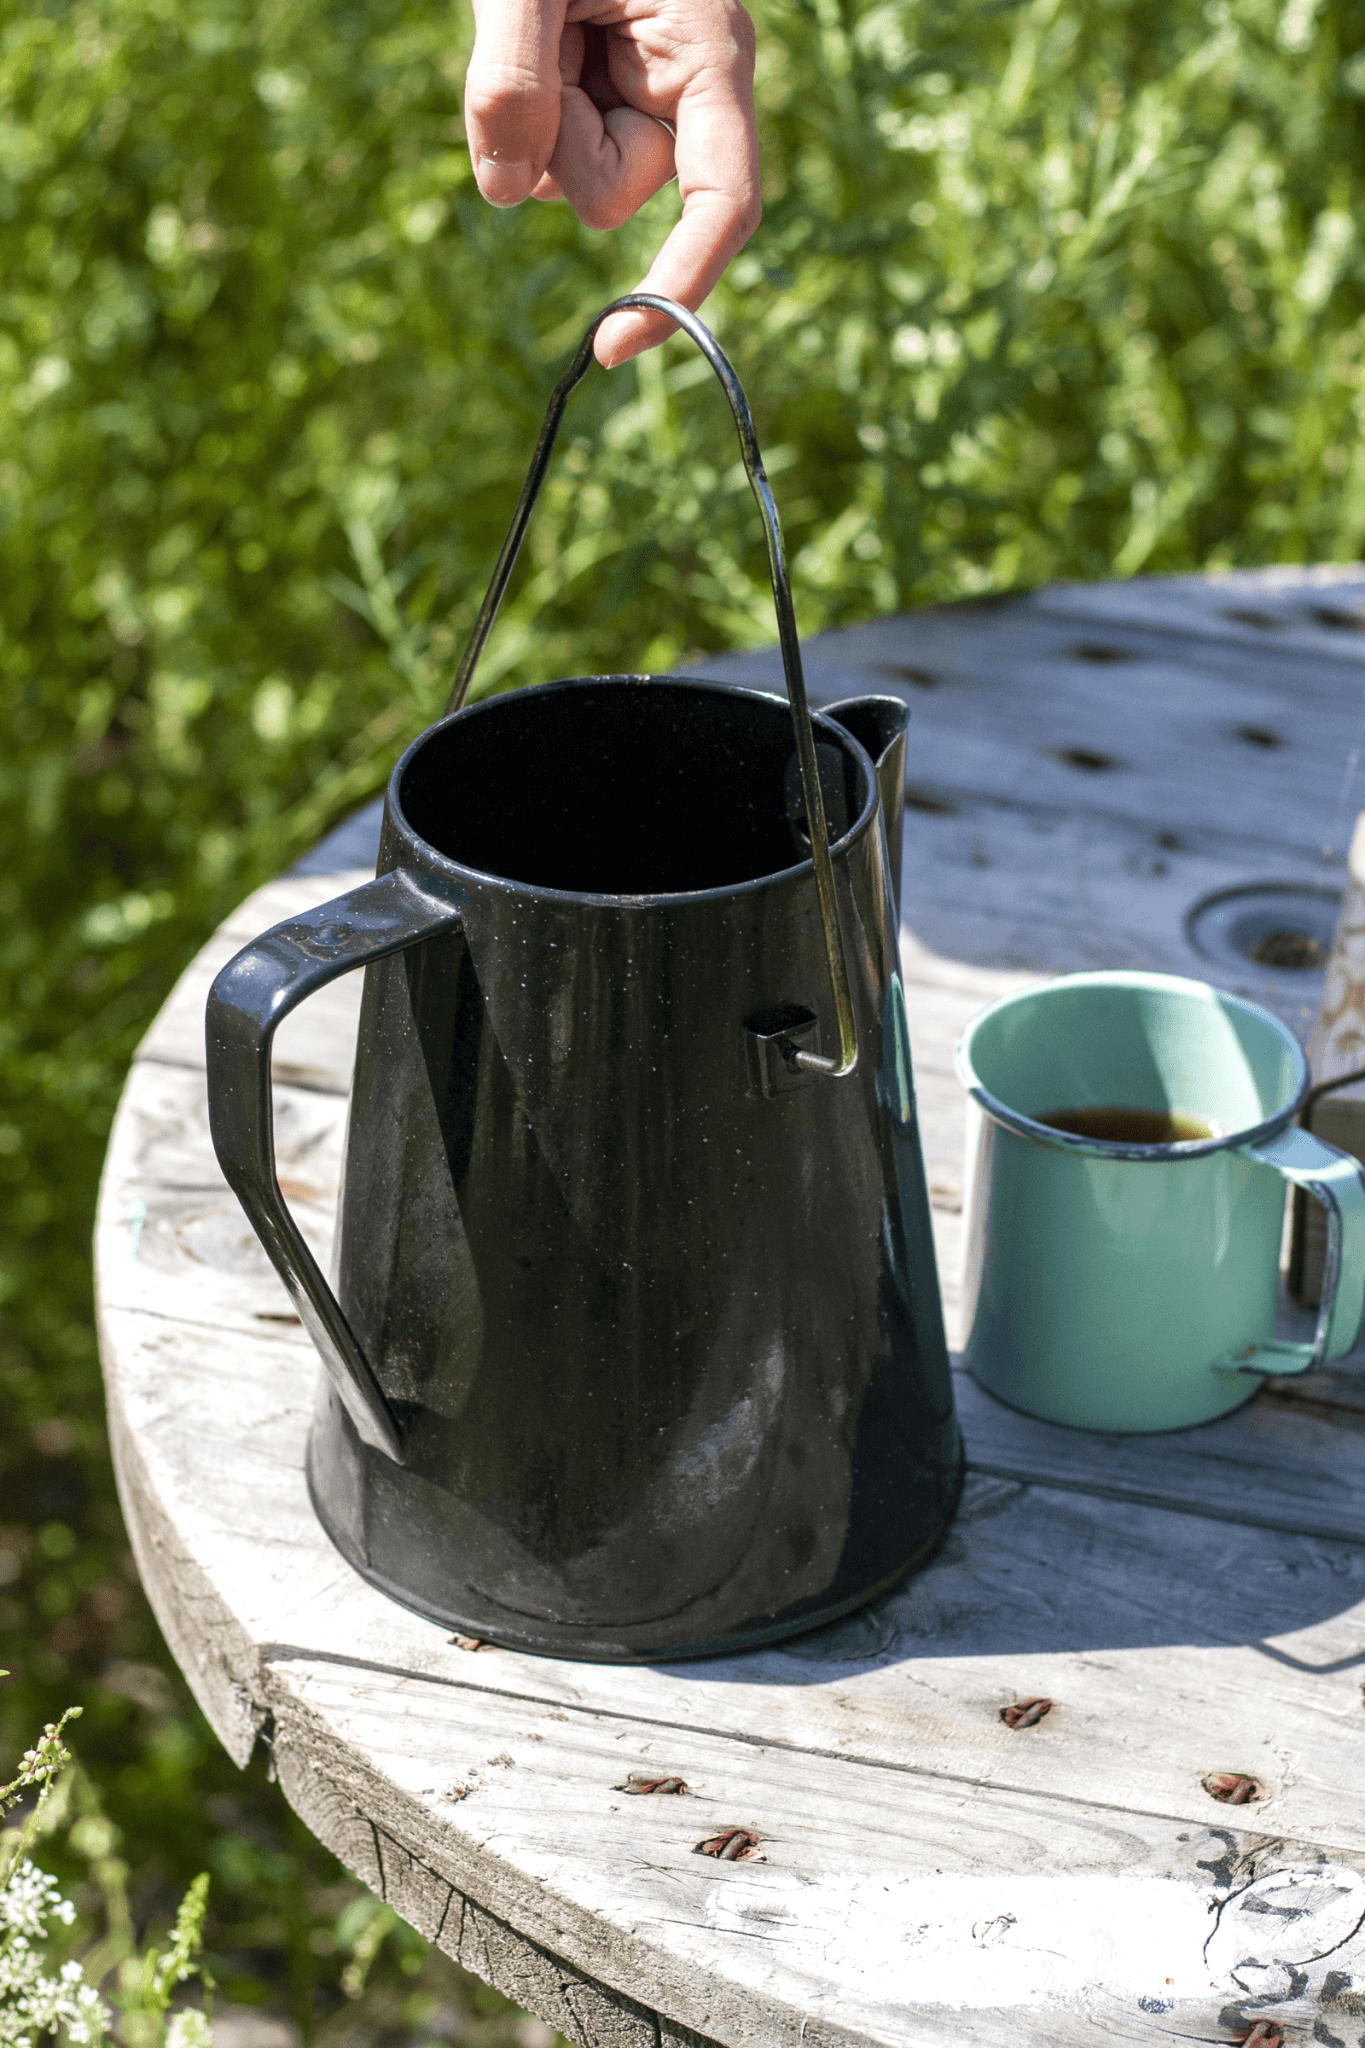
248 1001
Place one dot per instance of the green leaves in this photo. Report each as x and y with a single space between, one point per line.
40 1993
1056 255
148 1981
39 1769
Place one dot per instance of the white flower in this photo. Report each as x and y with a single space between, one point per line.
189 2029
29 1899
31 2002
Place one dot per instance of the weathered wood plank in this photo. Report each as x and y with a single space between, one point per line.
1013 887
172 1239
1316 611
1016 702
883 1910
876 1888
1282 1463
354 844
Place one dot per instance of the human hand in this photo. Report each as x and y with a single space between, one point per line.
575 99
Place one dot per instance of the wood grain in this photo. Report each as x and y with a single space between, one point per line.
1014 694
1317 611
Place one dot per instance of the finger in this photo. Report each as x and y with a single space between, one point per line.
608 165
571 55
594 73
717 157
511 103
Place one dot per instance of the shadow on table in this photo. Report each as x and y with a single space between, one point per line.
1037 1566
1066 1573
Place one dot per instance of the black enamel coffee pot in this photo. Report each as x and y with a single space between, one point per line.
636 1348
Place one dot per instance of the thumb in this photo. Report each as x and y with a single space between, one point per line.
511 101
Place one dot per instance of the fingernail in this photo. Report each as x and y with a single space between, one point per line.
613 342
504 184
612 355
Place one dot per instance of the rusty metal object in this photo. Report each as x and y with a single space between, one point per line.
1232 1788
732 1845
1025 1713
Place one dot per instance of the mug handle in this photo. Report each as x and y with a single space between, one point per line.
252 995
1336 1180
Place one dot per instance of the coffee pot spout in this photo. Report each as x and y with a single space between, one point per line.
879 725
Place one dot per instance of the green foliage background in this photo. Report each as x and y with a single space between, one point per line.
1045 287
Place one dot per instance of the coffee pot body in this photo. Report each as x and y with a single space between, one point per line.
634 1343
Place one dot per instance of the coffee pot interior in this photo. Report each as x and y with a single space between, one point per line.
626 786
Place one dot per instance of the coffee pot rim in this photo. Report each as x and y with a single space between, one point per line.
830 729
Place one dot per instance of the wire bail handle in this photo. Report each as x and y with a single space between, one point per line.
782 604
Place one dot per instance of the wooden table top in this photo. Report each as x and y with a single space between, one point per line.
1086 764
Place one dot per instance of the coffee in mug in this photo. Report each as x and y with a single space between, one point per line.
1133 1126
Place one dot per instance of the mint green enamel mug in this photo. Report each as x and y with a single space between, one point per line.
1119 1285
